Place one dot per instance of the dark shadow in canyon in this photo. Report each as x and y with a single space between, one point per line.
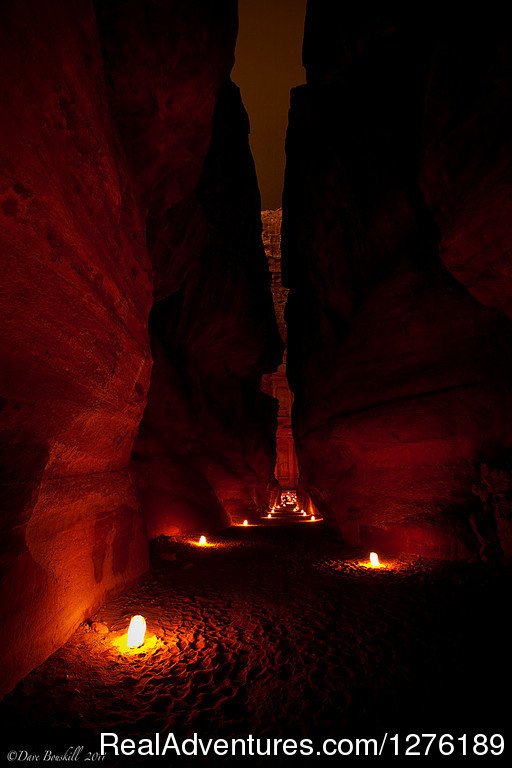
396 252
129 201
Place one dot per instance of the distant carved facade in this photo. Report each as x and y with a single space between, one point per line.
276 384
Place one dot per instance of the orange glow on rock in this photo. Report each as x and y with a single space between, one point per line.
136 631
374 560
202 541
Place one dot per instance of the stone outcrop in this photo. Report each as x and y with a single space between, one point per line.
108 204
206 449
75 354
396 250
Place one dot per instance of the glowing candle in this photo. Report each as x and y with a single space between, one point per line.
304 513
313 518
246 523
269 515
374 560
136 631
202 541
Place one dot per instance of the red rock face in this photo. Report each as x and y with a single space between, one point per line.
466 173
165 62
401 375
205 452
104 139
206 449
276 384
75 353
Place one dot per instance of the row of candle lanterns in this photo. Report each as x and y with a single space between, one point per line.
203 541
137 626
302 512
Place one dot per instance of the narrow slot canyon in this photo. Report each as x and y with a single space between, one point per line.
256 380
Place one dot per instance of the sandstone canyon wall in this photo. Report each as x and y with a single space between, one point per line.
106 122
75 354
396 247
206 450
276 383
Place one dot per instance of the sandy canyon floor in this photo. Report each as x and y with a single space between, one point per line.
278 631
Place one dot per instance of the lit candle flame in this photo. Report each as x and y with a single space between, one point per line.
374 560
269 514
313 518
136 631
246 523
304 513
202 541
